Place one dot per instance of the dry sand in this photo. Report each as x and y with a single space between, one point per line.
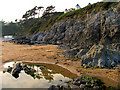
50 53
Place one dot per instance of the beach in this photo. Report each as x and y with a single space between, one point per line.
50 54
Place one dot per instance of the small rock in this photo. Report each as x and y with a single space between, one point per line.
64 87
9 69
53 87
83 81
96 87
82 86
4 71
74 87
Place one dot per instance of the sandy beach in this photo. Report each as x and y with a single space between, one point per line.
50 54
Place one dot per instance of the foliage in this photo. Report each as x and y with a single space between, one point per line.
32 12
32 26
49 11
81 13
10 28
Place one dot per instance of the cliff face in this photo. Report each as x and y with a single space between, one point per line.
96 41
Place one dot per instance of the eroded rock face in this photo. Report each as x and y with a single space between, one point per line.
71 52
98 55
101 29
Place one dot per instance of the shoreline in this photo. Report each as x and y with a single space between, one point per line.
48 54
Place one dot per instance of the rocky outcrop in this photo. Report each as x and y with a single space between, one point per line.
98 55
95 41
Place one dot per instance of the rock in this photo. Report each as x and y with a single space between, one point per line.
96 87
42 67
74 87
78 79
101 28
99 56
16 70
83 81
81 53
4 71
82 86
71 52
60 80
9 69
64 87
77 83
53 87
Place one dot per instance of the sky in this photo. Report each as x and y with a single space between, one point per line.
14 9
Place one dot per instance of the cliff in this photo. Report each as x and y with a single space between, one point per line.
95 40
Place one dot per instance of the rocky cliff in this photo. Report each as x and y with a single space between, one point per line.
95 41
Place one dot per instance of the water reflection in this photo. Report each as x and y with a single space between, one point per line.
38 72
34 76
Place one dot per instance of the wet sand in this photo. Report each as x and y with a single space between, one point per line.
50 54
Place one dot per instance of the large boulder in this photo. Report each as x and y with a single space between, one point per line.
98 55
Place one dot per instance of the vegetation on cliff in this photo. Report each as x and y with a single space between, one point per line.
31 25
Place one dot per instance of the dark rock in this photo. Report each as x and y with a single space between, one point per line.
101 29
9 69
81 53
60 80
74 87
99 56
82 86
53 87
83 81
71 52
65 87
17 69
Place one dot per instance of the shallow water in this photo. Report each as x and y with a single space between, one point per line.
43 77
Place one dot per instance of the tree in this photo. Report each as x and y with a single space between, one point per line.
30 13
49 11
33 11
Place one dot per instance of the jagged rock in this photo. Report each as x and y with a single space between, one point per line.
100 56
101 28
9 69
71 52
82 86
81 53
53 87
65 87
74 87
16 70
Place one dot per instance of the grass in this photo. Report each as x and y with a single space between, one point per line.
35 25
40 24
81 13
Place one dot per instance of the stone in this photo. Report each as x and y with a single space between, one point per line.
9 69
74 87
53 87
81 53
16 70
82 86
83 81
71 52
65 87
